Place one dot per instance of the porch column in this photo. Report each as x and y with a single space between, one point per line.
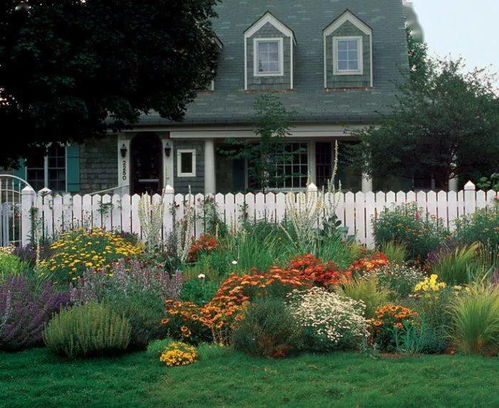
210 181
312 163
454 184
367 183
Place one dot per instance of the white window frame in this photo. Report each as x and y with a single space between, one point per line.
280 42
360 57
179 163
46 168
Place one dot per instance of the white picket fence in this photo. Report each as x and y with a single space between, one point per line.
59 213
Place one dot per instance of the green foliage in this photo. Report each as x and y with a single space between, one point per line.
209 351
268 330
11 265
459 266
423 338
406 225
399 279
433 131
157 347
144 313
395 252
88 330
486 183
368 291
271 124
475 318
71 70
481 226
199 291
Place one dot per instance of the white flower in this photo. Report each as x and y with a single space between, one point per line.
201 276
234 262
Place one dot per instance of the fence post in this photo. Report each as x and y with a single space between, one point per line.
27 200
469 198
168 212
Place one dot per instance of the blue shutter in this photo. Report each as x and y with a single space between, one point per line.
21 171
73 168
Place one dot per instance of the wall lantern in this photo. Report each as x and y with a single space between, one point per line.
123 151
168 150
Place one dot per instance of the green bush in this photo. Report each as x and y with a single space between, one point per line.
367 290
481 226
198 290
144 313
11 265
400 279
459 266
268 330
157 347
406 225
423 338
475 318
395 252
88 330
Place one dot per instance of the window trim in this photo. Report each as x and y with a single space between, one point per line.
179 163
280 42
46 168
360 55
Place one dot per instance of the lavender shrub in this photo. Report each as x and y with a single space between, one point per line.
25 308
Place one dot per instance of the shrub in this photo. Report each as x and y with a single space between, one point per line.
481 226
25 307
135 288
322 274
205 244
329 321
199 291
11 265
391 322
178 354
366 264
400 279
422 338
157 347
88 330
267 330
186 321
368 291
79 250
458 266
406 225
126 276
475 318
396 253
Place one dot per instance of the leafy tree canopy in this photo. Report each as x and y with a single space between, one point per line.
72 69
445 124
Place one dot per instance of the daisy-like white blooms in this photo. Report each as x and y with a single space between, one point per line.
234 262
201 276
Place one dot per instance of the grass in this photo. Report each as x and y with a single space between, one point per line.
229 379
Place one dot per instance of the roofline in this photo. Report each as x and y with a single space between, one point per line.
268 12
342 14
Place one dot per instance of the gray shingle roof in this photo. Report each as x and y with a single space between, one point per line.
230 104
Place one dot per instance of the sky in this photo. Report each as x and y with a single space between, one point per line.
467 28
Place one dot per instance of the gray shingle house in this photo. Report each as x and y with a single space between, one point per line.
335 63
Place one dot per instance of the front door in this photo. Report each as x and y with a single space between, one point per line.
146 164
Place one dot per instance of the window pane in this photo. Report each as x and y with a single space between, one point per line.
347 55
186 163
268 56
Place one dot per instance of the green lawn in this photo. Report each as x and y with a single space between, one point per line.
228 379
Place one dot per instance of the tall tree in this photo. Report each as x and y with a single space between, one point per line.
445 124
72 69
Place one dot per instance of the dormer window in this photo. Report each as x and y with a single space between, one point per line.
268 57
347 53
